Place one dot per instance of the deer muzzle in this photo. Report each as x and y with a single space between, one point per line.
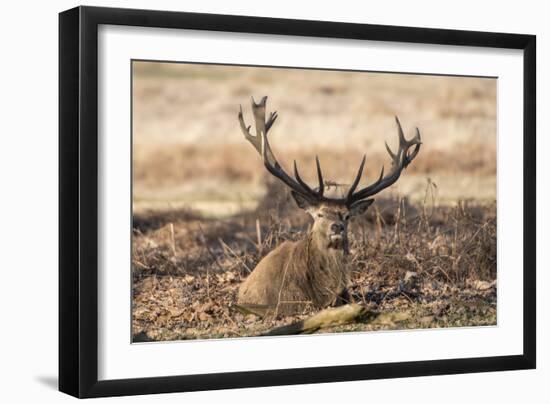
337 236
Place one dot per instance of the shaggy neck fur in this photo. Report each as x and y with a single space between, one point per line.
296 275
326 270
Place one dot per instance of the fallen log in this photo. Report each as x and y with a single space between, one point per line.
325 318
334 316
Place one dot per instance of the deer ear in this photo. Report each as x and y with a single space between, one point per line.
303 202
360 207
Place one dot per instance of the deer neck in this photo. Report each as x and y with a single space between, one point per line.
319 253
327 271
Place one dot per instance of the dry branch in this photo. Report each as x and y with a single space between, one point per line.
325 318
335 316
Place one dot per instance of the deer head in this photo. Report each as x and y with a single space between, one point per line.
330 213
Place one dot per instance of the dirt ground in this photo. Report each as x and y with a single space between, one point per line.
205 211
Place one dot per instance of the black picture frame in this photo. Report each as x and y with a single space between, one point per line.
78 200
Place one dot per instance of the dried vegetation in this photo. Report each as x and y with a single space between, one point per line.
428 266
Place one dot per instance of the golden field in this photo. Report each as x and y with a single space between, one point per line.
189 151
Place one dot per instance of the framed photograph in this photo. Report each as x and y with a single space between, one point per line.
251 201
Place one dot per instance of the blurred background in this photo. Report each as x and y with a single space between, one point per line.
189 152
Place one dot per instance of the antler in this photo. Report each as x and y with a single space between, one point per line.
261 144
400 160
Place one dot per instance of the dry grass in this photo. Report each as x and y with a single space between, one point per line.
198 162
438 265
232 176
187 141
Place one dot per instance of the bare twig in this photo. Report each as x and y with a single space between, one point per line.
259 236
172 239
281 288
203 239
233 253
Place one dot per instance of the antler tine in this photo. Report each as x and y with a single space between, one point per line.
402 140
394 157
321 190
256 142
258 109
301 181
261 144
272 117
262 127
357 177
415 141
400 160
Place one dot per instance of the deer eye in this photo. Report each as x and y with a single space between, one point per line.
319 215
346 217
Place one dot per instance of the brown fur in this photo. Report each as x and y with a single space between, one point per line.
297 275
313 272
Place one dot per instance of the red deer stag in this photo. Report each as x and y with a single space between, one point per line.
313 271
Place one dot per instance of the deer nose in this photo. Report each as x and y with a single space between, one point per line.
337 228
